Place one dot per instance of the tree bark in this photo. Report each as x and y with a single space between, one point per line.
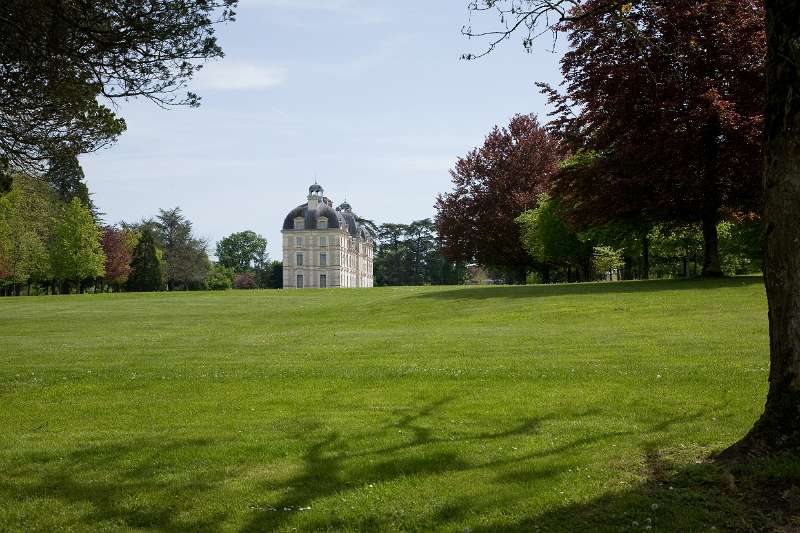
711 263
778 429
628 268
645 257
545 274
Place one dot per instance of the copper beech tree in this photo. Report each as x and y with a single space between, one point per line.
493 185
669 97
778 429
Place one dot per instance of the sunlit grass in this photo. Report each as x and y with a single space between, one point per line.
489 408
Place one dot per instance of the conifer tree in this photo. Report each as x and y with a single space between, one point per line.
147 265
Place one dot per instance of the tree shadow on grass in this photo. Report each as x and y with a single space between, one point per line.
576 289
121 485
113 485
326 471
763 495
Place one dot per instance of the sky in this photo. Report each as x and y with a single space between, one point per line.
369 97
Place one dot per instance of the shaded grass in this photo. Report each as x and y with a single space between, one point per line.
487 408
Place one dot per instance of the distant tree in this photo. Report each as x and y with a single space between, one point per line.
146 265
550 241
187 262
243 251
60 59
77 253
494 184
66 177
219 278
391 261
632 236
607 260
27 215
410 254
275 278
118 246
421 242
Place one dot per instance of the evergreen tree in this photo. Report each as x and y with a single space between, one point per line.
66 177
146 265
275 278
187 262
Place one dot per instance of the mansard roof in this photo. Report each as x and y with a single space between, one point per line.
312 216
341 217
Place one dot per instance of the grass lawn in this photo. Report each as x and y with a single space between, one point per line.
455 409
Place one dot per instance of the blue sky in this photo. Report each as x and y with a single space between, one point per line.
369 96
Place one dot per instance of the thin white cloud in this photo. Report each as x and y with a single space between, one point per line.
228 75
350 11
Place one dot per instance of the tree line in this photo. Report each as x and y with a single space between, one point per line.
411 254
52 241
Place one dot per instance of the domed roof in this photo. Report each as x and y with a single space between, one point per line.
315 188
312 216
349 219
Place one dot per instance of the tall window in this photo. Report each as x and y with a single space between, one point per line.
299 281
299 223
299 260
322 223
298 241
323 281
323 259
323 241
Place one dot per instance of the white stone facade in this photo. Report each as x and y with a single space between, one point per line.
325 247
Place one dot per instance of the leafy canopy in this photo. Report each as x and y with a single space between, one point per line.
60 60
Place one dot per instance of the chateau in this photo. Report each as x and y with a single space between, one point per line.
325 247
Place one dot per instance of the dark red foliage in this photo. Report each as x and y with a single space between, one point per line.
245 280
493 185
116 246
669 97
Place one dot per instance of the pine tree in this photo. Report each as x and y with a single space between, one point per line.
147 265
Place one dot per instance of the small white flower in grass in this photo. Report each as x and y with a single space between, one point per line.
658 376
654 506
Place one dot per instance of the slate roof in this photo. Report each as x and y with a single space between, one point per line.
341 217
311 216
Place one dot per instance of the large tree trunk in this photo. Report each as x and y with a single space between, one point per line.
779 426
711 264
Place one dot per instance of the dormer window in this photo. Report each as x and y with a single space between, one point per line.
322 223
299 223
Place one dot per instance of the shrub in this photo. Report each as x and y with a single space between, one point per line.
245 280
219 278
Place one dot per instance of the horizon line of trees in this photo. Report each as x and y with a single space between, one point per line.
411 254
52 241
